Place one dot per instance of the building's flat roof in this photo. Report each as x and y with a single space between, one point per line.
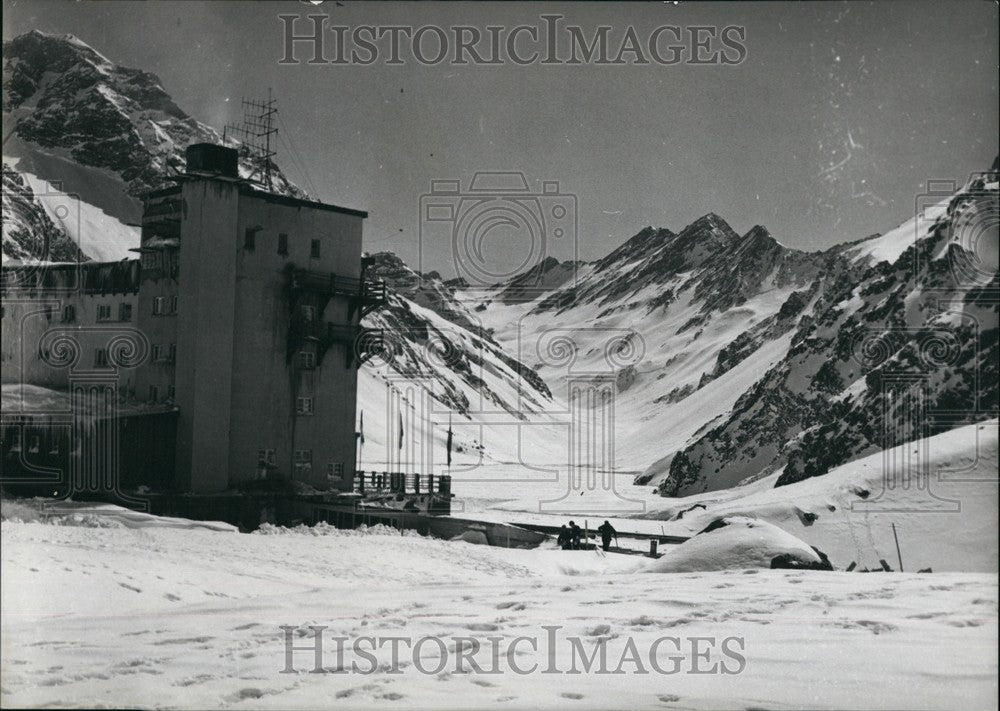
297 202
247 189
160 192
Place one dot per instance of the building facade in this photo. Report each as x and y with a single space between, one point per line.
248 307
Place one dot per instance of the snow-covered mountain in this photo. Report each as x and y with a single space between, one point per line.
28 230
747 358
892 348
94 129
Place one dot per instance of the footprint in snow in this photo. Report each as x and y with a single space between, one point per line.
872 626
511 606
482 627
248 693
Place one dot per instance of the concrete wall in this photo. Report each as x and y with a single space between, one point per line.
265 382
206 308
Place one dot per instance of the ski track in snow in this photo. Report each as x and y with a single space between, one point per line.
165 618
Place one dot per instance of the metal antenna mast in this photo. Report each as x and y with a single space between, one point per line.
254 135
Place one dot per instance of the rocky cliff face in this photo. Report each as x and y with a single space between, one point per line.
433 337
28 232
107 132
890 352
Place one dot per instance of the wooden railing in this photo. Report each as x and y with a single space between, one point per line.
368 290
372 482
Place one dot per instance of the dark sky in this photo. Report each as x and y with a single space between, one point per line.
827 132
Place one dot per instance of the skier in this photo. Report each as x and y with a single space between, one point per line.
607 531
565 539
574 532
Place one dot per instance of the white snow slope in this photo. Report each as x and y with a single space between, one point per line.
945 519
168 618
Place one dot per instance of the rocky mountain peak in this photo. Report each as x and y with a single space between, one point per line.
710 225
63 97
758 234
644 242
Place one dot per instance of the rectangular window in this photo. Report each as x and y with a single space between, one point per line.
154 393
36 444
314 249
335 470
104 312
172 353
125 312
309 313
49 309
158 305
54 445
250 239
307 360
171 392
101 357
69 313
303 459
303 405
283 244
265 458
173 304
157 352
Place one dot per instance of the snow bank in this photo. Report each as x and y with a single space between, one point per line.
97 515
737 542
324 529
945 517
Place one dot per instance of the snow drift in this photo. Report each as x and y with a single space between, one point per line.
736 542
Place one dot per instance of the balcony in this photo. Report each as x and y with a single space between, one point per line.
328 283
360 343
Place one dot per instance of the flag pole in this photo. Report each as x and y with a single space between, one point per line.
448 444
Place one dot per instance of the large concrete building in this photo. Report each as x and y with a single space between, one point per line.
245 314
